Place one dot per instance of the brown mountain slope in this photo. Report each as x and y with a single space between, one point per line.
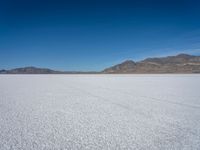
181 63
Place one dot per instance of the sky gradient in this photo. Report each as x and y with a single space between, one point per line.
94 34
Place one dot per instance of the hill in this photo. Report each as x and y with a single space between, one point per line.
182 63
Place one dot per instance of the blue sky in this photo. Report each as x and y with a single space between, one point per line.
94 34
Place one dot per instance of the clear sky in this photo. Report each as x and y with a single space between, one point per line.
94 34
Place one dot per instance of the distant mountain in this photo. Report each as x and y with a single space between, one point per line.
30 70
182 63
35 70
2 71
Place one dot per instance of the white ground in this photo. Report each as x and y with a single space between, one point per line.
100 112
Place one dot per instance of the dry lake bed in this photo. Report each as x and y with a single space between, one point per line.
142 112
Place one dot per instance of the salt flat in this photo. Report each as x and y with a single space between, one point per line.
99 112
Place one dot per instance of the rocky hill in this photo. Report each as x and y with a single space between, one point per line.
30 70
35 70
182 63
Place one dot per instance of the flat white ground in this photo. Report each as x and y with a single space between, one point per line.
99 112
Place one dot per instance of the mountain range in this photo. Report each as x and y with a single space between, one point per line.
35 70
182 63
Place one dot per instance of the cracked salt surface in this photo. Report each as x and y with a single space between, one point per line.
99 112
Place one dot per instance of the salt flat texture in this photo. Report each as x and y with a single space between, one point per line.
100 112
